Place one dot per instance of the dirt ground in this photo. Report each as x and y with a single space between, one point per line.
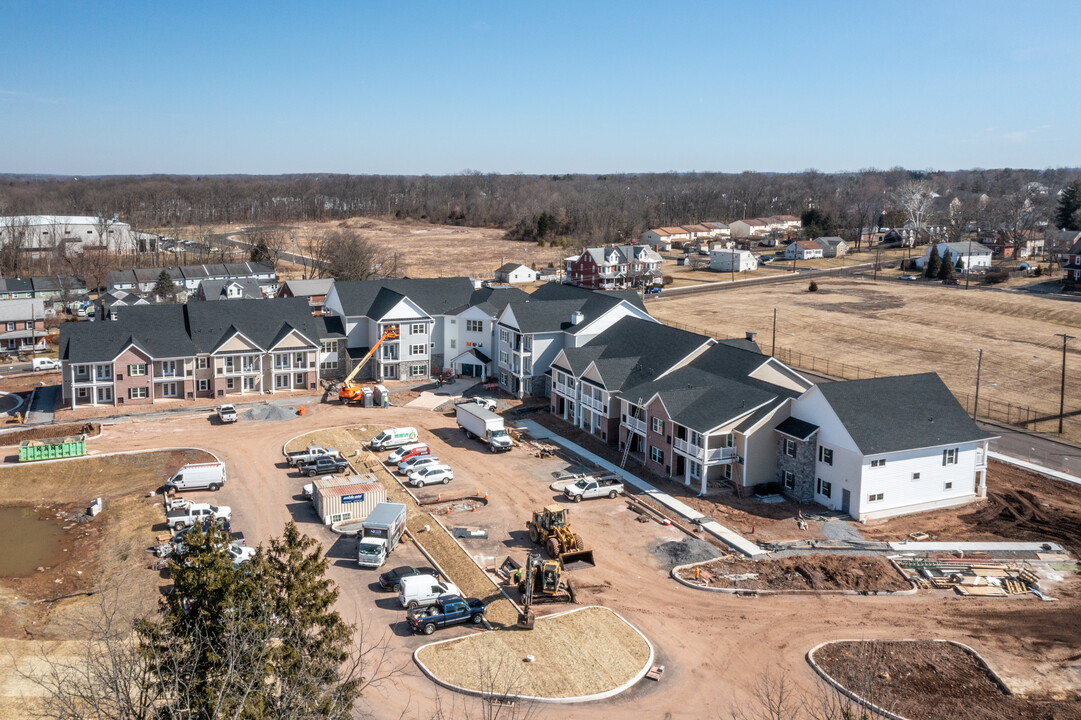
807 572
579 653
713 646
894 328
48 432
929 680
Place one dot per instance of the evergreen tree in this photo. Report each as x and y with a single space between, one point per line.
933 264
1069 203
945 268
164 287
260 252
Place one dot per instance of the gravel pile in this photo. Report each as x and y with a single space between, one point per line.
687 550
269 413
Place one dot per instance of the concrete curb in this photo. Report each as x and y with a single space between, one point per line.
1033 467
555 701
882 711
119 452
748 591
18 401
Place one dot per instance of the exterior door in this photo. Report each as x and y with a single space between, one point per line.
846 501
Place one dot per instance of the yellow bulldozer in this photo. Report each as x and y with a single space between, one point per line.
551 529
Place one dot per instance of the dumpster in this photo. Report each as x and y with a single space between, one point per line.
69 447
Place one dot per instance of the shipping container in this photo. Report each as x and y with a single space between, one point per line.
68 447
337 499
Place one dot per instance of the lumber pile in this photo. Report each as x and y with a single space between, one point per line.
972 577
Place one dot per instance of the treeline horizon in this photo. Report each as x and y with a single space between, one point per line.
582 207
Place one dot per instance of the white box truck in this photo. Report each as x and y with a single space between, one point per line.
380 533
484 425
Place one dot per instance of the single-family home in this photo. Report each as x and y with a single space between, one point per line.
881 447
238 289
199 349
972 255
657 238
106 303
22 325
1071 266
315 290
732 260
513 273
748 227
832 246
803 250
614 267
533 330
1058 242
719 229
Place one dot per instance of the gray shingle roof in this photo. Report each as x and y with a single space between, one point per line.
796 428
493 300
906 412
307 288
216 289
549 309
21 309
437 296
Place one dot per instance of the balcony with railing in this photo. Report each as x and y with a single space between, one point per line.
593 403
709 456
635 424
167 370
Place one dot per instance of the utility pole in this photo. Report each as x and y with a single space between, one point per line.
1062 390
976 403
773 345
874 273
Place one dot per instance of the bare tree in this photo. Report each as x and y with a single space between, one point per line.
500 682
915 199
958 217
1017 218
347 256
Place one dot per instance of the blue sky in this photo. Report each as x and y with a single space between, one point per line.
416 87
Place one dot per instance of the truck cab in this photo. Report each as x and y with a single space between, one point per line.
371 551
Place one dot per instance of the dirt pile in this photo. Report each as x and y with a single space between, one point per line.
1022 515
807 572
931 681
269 413
50 432
687 550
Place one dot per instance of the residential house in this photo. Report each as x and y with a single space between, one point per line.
732 260
533 330
515 273
107 302
748 227
972 255
587 380
710 421
614 267
657 238
22 326
469 336
832 246
239 289
699 231
803 250
719 229
200 349
1071 266
1058 242
16 288
315 290
881 447
186 278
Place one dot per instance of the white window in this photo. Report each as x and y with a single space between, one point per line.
11 326
168 389
824 488
656 454
877 497
949 457
249 383
105 394
136 370
728 471
229 384
281 361
330 346
657 425
825 455
503 379
330 363
878 463
82 392
168 368
504 335
504 358
204 385
281 381
299 380
28 325
136 392
229 364
416 349
696 470
790 447
300 359
202 363
789 480
474 326
418 329
417 371
80 369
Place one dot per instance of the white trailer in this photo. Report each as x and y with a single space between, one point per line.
484 425
338 499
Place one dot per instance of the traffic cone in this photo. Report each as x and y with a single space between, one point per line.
478 493
474 508
448 511
485 496
438 498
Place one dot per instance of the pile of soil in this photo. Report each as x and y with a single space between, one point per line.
269 413
50 432
821 571
687 550
931 681
1022 515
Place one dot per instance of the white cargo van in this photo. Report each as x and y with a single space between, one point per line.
46 364
420 590
394 437
198 476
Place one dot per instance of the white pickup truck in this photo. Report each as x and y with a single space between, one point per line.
591 487
227 414
195 513
310 453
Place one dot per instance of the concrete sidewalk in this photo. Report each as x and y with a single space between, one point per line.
431 399
728 537
1016 462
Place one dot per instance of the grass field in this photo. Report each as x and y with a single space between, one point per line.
891 328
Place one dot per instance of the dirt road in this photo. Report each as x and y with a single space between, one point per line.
713 646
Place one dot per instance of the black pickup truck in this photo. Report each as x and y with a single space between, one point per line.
447 610
323 466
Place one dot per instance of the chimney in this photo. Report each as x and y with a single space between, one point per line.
577 317
751 335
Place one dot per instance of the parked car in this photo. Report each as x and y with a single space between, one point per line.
227 414
765 259
45 363
430 475
391 580
407 451
323 466
416 463
653 290
909 277
239 553
951 281
420 590
447 610
312 452
591 487
195 513
486 403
